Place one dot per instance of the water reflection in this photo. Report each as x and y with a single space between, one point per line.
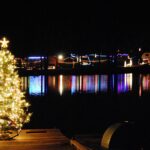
72 84
103 83
146 82
124 83
34 85
61 85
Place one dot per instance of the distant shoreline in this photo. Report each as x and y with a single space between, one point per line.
88 70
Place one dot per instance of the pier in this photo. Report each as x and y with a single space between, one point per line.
38 139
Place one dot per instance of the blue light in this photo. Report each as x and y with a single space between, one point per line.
103 56
104 83
73 85
36 85
73 55
35 57
122 55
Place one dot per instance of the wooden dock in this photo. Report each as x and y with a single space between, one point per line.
38 139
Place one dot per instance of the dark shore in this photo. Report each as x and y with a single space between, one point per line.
88 70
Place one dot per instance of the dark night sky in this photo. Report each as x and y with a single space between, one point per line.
38 27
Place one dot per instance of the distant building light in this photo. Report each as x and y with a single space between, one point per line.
51 67
128 64
125 64
73 55
35 57
122 54
131 62
103 55
60 57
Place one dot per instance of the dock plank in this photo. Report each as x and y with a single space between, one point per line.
38 139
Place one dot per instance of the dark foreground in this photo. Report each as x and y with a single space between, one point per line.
86 117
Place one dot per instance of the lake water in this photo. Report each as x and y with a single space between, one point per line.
88 84
88 103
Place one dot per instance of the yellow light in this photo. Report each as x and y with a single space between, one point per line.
60 57
125 64
4 42
13 106
131 63
61 85
27 104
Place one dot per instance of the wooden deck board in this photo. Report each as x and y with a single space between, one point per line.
38 139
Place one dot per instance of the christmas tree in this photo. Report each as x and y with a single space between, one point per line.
13 106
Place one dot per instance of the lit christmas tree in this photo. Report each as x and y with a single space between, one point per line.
13 106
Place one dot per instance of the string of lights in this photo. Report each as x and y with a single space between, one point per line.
13 106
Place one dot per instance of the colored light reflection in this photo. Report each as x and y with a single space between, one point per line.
24 83
124 83
61 84
79 83
146 83
36 85
112 82
140 86
103 83
89 84
96 83
52 82
73 84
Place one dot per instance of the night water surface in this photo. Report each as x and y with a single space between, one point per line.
88 84
88 103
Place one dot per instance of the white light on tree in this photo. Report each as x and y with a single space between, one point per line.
13 106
